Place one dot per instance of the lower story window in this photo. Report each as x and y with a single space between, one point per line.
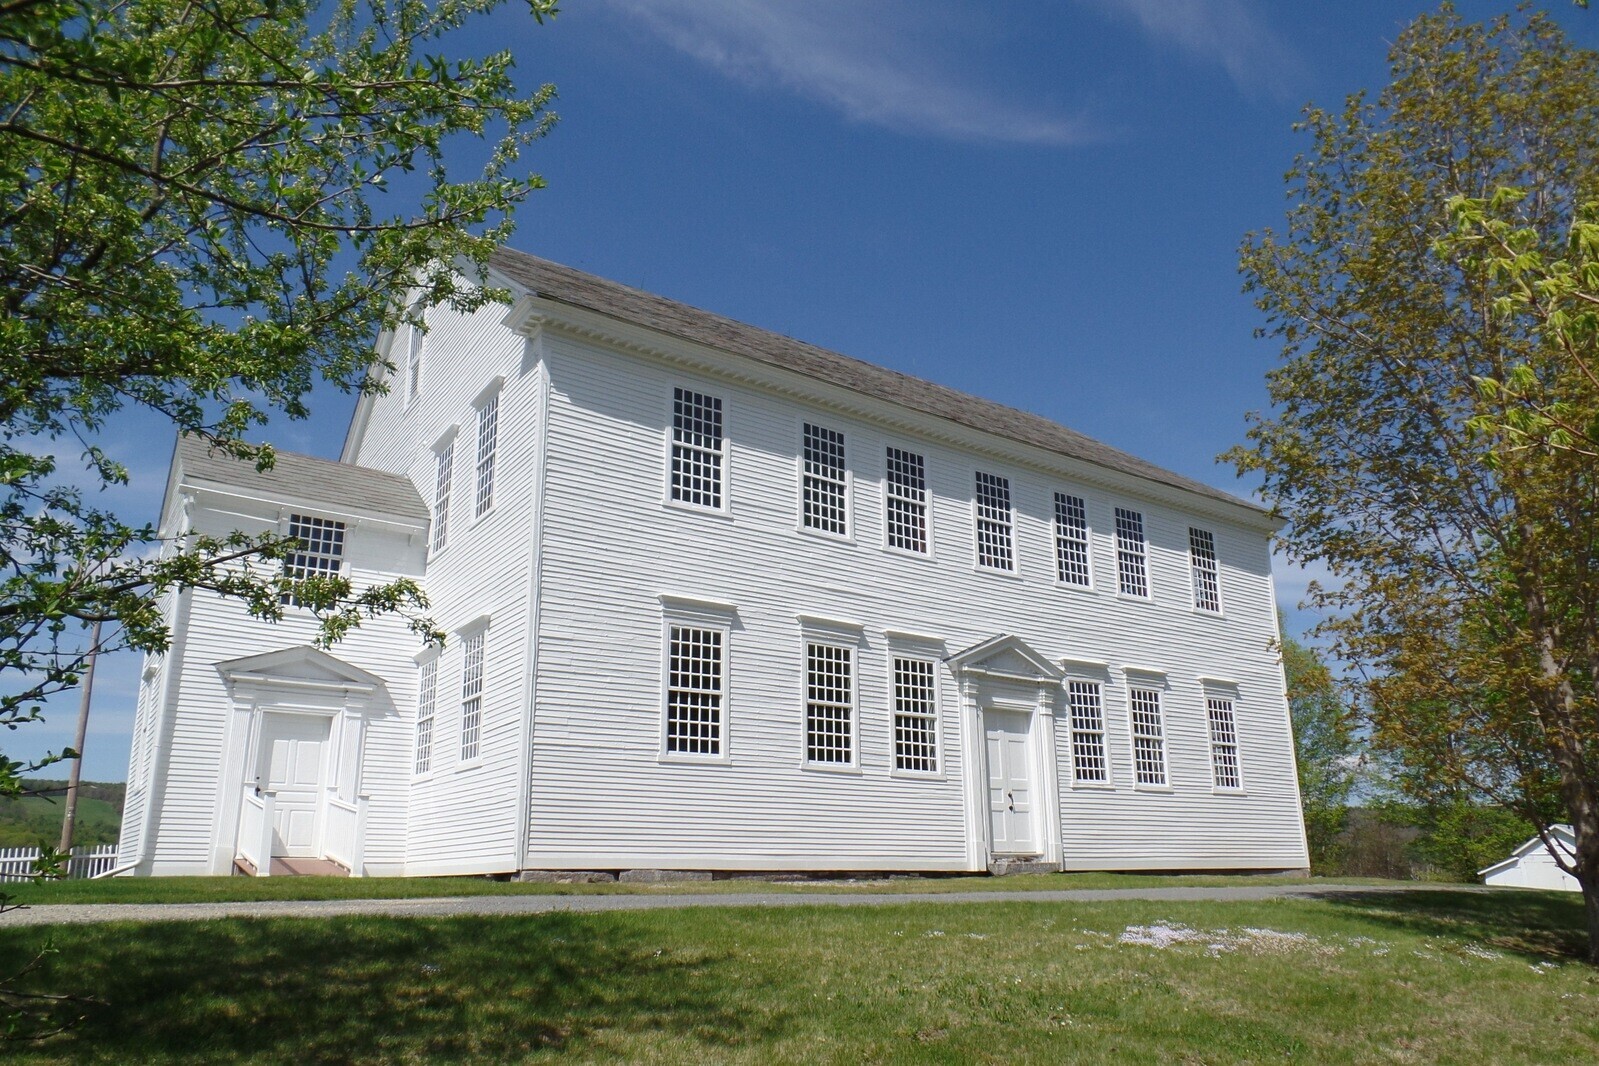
426 705
694 691
1088 732
1149 737
1223 743
472 699
829 704
915 716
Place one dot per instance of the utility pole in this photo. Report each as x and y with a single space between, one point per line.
73 776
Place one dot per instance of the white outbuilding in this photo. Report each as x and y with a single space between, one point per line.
1531 865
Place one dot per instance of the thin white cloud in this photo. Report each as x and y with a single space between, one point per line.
1225 32
876 64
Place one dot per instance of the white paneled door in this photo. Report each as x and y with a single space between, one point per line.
292 755
1010 783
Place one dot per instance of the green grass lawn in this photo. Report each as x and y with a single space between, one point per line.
1408 977
222 889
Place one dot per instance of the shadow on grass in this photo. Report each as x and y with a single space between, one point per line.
379 990
1544 925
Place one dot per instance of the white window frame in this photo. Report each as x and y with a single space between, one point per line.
933 718
443 492
1225 704
1007 525
892 495
487 455
1128 553
310 560
723 451
415 342
724 633
1063 500
844 636
1108 781
1154 688
1203 562
469 749
842 483
424 750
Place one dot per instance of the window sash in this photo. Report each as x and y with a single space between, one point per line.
1149 737
697 449
472 698
694 691
1089 763
994 545
915 715
413 363
1207 583
1071 540
320 554
1223 743
426 707
907 501
488 434
823 483
443 484
829 704
1131 565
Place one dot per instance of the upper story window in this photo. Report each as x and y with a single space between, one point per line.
1223 742
320 552
696 474
829 704
413 363
427 699
1071 540
824 484
994 522
1202 560
1089 764
915 715
907 501
694 690
488 443
1132 572
1149 736
443 483
472 697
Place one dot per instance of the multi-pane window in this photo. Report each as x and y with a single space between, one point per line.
994 522
488 443
1223 743
1202 556
1149 737
472 698
696 448
907 501
443 482
319 553
694 691
1071 540
413 364
1088 732
1131 567
915 716
426 704
829 704
823 484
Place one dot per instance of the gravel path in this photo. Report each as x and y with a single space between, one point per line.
456 906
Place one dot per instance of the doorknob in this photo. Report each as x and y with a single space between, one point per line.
1010 800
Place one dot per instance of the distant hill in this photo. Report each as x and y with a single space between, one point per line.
32 820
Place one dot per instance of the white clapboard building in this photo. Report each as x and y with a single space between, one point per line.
1533 866
716 600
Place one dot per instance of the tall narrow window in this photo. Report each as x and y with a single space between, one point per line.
994 522
1131 568
413 363
694 691
472 698
1071 540
696 448
443 474
915 716
488 443
1202 556
1223 743
823 483
829 704
427 699
320 552
1088 732
907 501
1149 737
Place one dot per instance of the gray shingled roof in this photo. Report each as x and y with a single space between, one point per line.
342 486
565 285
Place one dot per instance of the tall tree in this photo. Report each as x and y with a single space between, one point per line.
194 221
1466 553
1326 748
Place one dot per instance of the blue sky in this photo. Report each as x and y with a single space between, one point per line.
1039 201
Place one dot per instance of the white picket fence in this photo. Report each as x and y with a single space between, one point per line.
16 864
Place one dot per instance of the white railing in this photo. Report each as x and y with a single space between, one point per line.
256 814
16 864
345 838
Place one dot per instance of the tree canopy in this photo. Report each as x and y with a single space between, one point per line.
1416 444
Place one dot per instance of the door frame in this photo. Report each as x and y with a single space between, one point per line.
326 773
1025 714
